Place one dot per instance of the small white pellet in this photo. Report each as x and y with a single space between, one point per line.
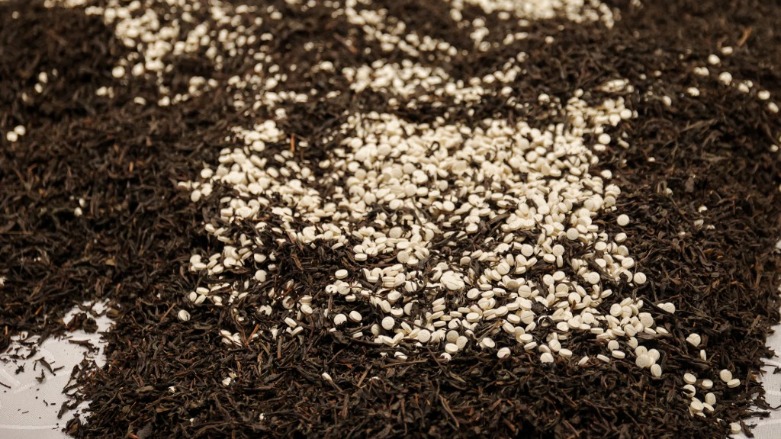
643 361
388 323
694 339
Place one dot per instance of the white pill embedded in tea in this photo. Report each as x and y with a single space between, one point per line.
388 323
452 281
694 339
183 315
643 361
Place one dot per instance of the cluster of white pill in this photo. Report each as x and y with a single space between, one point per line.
524 197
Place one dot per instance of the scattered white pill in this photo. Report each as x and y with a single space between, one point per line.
118 72
183 315
643 361
694 339
388 323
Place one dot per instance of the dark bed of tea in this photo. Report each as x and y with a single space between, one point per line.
374 218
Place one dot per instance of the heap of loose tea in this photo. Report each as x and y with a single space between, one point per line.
542 218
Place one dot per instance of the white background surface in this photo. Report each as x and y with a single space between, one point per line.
23 414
